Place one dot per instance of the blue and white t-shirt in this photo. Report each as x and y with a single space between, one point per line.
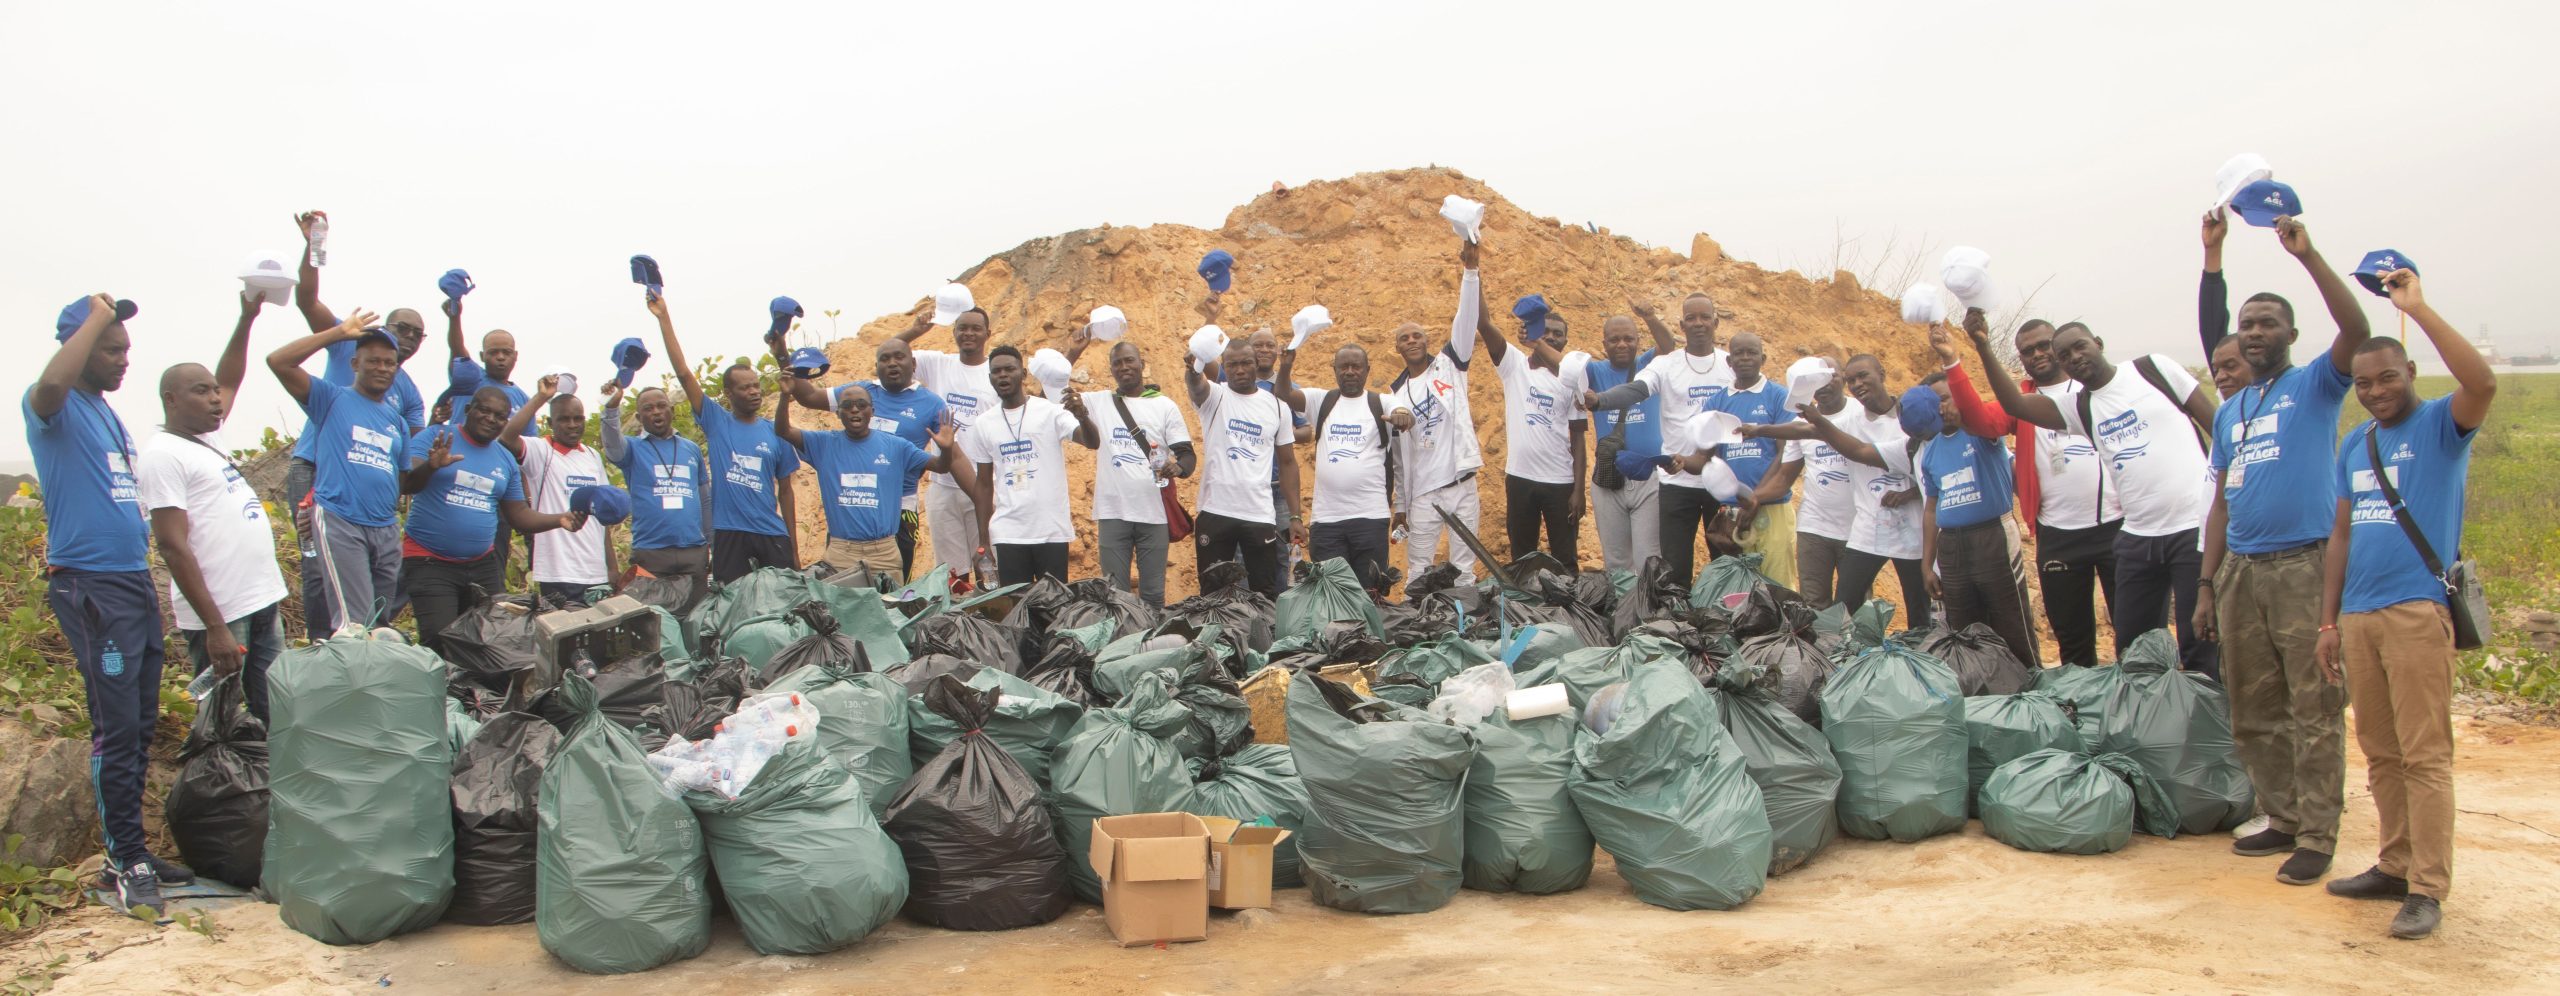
664 477
1969 476
92 505
860 480
748 462
1763 403
456 516
2272 443
912 414
2428 457
1025 448
339 368
1643 439
360 448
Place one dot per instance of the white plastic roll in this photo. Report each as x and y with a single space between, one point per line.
1531 703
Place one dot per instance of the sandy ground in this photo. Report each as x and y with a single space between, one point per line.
1956 913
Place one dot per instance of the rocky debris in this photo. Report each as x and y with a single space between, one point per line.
45 795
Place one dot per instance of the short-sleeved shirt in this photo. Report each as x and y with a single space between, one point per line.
228 530
1026 449
2428 457
2072 487
1537 413
551 475
1885 532
1969 476
860 480
1351 456
92 505
1124 483
1441 448
1239 434
1764 403
1297 420
338 367
361 447
456 516
966 392
1685 385
1830 504
2273 443
664 477
1643 438
748 464
912 414
2150 446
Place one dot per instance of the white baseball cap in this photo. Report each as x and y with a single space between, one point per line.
1308 321
1923 304
1208 344
1708 430
1106 324
2237 172
1466 217
1967 273
1718 477
1051 369
270 275
950 302
1804 377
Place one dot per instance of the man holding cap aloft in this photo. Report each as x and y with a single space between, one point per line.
750 465
567 563
360 443
968 394
1440 456
861 471
665 473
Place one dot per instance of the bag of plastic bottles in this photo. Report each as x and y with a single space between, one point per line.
862 723
360 826
804 866
1522 831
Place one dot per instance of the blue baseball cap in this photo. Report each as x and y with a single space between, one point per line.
808 362
2261 203
1532 311
644 271
2378 264
1919 412
784 310
463 376
629 356
602 502
78 311
454 284
378 332
1218 268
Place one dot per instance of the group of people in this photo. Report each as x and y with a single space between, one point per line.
2134 485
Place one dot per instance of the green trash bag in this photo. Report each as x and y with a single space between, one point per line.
618 869
359 815
1029 722
1386 827
1434 660
1220 721
459 725
2177 725
804 865
1897 726
1586 671
1331 592
2085 690
1257 783
1523 832
1664 790
1999 729
1727 575
2067 801
862 723
860 614
1533 646
1789 759
1115 762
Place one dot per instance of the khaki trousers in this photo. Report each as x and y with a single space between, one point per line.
880 556
2399 663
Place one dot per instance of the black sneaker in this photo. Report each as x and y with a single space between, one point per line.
170 873
2418 918
2263 843
2373 884
135 888
2303 868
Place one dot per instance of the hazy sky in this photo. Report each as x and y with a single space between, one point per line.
856 155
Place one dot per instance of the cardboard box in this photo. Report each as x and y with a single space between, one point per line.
1240 863
1154 869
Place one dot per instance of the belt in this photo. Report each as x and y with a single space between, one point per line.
2288 553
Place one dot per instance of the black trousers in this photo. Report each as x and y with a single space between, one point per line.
1533 504
1858 570
1362 543
1017 563
1984 580
736 554
439 590
1216 538
2072 566
2156 587
1685 514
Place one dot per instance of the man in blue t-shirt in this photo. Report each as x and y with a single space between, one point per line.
2385 627
901 407
1969 551
2274 444
360 444
1758 400
861 473
752 519
1624 483
664 473
464 485
98 575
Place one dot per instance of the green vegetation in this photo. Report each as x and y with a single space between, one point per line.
30 895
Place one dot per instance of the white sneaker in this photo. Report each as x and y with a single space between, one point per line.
2255 824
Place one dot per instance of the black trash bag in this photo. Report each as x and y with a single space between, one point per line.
477 702
1036 606
677 595
1770 607
1660 593
1440 576
982 850
492 642
1791 670
217 809
1221 722
692 703
1340 642
1920 637
1094 600
825 644
1419 619
1226 603
1983 662
1065 664
1593 588
1555 591
629 691
969 637
497 816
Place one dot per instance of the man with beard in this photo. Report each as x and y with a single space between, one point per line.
407 331
1440 456
1543 461
1145 444
664 473
968 394
462 483
861 469
2263 547
1767 525
750 465
1021 452
1626 458
1355 467
1246 434
555 467
1685 381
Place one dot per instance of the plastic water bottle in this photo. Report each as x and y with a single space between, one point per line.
319 239
202 688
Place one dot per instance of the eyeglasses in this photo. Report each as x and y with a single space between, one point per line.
404 328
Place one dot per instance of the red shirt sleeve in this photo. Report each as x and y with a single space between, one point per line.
1982 418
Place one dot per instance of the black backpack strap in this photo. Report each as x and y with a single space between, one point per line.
1378 414
2151 372
2391 495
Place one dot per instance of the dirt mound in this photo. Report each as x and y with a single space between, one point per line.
1373 249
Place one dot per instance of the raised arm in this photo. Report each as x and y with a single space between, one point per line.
1978 416
782 422
1284 382
946 441
306 288
2475 386
233 367
512 437
916 329
2353 327
806 389
2036 409
1462 326
1494 344
1849 446
1618 398
614 445
2213 295
1087 434
1663 343
675 357
53 385
286 362
453 341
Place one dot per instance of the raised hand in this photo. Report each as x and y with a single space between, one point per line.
1207 309
2217 223
548 386
442 413
1470 254
1945 343
612 391
2405 294
658 305
303 221
452 307
353 326
1074 403
440 454
1976 326
1641 308
2296 239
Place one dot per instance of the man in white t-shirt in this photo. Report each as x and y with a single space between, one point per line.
212 529
1686 383
1543 426
1245 435
1142 451
1440 456
1829 505
1886 526
1355 464
967 393
565 562
2147 419
1020 449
